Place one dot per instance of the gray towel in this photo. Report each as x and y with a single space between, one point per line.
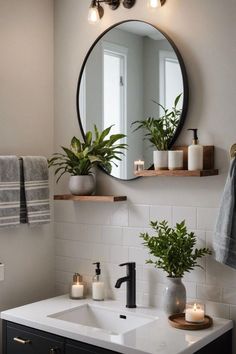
224 240
23 210
9 191
35 169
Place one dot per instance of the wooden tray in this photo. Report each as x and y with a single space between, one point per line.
178 321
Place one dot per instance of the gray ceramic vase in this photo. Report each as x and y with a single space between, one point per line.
82 185
175 296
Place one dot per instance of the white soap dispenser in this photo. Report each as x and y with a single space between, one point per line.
98 287
195 154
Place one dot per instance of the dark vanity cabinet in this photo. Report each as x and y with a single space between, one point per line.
18 339
74 347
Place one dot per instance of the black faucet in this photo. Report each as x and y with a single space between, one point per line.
130 279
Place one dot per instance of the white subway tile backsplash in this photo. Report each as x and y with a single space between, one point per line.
74 249
160 213
79 232
189 214
88 232
119 214
154 275
132 236
64 211
217 309
209 292
112 235
219 274
206 218
139 215
90 213
138 255
119 254
100 252
64 278
191 289
229 295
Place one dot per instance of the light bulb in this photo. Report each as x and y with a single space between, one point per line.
153 3
93 15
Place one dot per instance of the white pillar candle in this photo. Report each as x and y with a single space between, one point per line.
138 166
98 290
77 291
194 313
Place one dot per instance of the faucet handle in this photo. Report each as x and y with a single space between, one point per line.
129 264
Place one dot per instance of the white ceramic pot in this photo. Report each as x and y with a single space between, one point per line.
82 185
175 159
160 160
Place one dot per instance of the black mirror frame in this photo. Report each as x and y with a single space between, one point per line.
185 86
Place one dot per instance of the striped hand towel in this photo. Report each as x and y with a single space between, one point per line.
35 169
9 191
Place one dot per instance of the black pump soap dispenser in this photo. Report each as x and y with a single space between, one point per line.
98 287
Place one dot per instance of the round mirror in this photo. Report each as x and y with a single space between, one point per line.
129 70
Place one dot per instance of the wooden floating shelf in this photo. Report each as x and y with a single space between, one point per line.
177 173
91 198
208 166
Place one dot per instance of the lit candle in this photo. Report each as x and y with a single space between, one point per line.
194 313
77 291
138 166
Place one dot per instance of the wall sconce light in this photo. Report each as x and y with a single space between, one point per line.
153 4
96 11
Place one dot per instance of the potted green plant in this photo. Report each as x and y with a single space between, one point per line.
160 132
78 160
173 250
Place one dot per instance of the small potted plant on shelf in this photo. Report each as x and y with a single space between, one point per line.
160 132
173 250
79 159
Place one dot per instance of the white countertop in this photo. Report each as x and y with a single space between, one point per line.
153 338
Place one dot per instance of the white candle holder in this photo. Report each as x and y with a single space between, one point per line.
175 159
195 312
138 166
77 287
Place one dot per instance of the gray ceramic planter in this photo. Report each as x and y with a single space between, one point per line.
175 296
82 185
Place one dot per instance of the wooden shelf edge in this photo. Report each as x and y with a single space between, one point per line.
91 198
177 173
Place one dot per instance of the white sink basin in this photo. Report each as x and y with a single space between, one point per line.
108 320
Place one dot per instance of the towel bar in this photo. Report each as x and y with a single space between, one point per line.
233 151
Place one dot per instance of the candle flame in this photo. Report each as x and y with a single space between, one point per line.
195 307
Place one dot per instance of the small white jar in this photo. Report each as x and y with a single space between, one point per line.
160 160
175 159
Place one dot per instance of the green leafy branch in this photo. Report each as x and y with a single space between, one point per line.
174 248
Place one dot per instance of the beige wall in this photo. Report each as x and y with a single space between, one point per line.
26 128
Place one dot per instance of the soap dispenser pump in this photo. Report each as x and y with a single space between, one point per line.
98 284
195 153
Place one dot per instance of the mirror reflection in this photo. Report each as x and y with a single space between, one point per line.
130 66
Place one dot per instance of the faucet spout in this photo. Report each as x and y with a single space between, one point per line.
120 281
130 280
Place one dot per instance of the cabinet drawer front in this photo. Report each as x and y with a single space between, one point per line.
21 341
73 347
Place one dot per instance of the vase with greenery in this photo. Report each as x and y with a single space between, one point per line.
160 132
173 250
78 160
